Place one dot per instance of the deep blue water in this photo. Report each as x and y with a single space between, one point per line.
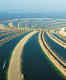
9 16
58 36
5 54
59 50
8 35
35 65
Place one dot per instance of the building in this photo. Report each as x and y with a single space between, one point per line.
62 32
28 25
11 25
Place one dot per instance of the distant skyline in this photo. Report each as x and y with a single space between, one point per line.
33 6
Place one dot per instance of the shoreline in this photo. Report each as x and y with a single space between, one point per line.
14 70
51 58
58 41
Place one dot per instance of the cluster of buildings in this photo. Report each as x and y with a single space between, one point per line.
62 32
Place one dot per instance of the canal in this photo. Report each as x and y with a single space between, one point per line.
35 64
58 36
5 54
59 50
8 35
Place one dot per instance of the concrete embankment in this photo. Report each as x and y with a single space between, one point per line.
14 70
51 58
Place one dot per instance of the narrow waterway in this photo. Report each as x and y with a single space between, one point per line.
59 50
58 36
8 35
6 50
35 64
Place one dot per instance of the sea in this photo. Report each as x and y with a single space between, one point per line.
46 70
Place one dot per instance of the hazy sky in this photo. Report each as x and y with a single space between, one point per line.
33 5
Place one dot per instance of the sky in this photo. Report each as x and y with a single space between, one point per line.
34 6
